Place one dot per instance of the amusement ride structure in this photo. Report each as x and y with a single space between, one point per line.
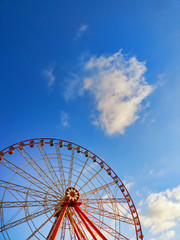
54 189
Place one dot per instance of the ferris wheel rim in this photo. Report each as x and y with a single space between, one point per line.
98 160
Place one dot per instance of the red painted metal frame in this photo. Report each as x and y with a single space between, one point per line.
57 224
86 225
74 226
105 225
83 150
80 212
81 233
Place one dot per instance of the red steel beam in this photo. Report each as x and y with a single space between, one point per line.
81 233
104 225
108 214
78 210
57 224
74 226
78 228
82 218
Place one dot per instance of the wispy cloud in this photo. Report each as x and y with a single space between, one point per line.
64 119
129 185
71 88
81 30
162 213
129 182
118 86
49 75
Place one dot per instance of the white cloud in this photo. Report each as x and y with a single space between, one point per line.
81 30
64 119
118 87
129 185
163 213
128 182
167 235
71 88
151 172
48 74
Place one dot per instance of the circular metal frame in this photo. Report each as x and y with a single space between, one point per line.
42 193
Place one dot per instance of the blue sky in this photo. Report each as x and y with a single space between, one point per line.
105 75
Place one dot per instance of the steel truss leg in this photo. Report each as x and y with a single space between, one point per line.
78 228
74 226
88 228
57 224
83 218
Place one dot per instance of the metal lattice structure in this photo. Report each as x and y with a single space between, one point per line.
54 189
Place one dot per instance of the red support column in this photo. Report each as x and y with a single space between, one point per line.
57 224
88 228
80 212
74 226
78 228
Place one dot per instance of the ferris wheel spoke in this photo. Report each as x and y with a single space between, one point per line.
25 202
22 204
37 168
32 230
5 237
61 170
71 167
44 223
28 177
111 231
36 214
90 179
81 172
115 190
97 189
25 190
94 201
112 215
107 228
50 168
9 221
12 193
14 216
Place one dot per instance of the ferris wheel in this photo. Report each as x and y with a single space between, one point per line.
54 189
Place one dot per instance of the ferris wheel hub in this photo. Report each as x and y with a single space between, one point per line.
72 195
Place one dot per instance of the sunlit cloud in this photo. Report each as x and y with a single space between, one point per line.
167 235
128 182
129 185
162 213
118 87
